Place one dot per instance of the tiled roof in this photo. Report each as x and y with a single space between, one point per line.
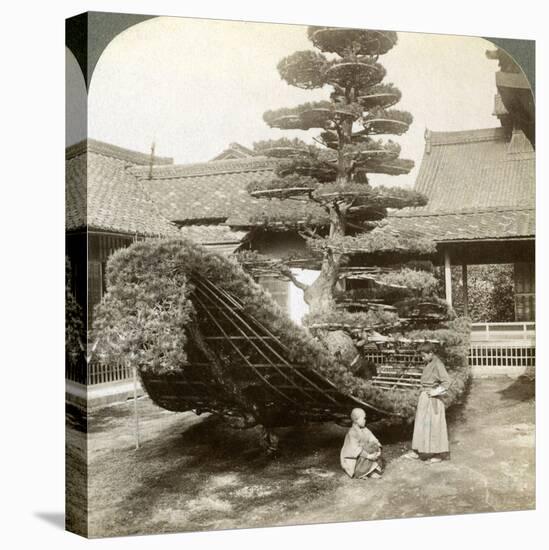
216 191
497 223
480 185
476 169
108 150
230 166
219 238
235 151
76 203
206 191
210 234
102 194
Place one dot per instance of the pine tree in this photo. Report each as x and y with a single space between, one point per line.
343 214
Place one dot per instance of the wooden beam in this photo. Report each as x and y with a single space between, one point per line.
447 276
465 289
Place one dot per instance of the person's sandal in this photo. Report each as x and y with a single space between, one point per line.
435 460
412 455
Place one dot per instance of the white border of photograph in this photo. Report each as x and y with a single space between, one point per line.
33 272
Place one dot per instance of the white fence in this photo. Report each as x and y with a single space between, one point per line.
506 348
96 372
491 355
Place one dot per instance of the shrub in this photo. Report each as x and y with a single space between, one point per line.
142 318
75 336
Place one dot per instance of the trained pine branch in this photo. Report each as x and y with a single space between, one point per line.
332 176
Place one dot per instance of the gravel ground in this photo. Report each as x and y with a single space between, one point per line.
193 473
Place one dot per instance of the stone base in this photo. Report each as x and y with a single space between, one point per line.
99 395
512 372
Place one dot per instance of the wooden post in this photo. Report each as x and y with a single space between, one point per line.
448 277
135 407
151 162
465 289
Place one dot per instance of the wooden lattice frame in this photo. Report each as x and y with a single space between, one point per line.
399 368
286 390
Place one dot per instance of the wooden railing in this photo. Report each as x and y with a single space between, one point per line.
498 346
503 332
502 355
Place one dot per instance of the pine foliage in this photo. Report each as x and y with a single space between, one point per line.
331 178
142 318
145 316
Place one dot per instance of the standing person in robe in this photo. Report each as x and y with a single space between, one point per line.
430 439
360 455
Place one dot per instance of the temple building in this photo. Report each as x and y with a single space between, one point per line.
481 210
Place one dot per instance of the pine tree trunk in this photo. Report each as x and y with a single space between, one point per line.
319 296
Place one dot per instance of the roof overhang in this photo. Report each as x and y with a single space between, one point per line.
495 251
499 240
518 99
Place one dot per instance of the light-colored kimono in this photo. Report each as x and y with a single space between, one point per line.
430 431
355 442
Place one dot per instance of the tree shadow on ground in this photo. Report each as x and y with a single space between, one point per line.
211 440
100 420
458 412
522 389
192 469
106 417
76 418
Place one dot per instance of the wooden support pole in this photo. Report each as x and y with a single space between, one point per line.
448 277
465 289
135 407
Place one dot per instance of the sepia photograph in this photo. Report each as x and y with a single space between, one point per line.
299 274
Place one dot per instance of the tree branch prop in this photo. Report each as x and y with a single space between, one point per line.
259 265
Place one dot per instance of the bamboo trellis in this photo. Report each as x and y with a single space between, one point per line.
397 369
238 367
